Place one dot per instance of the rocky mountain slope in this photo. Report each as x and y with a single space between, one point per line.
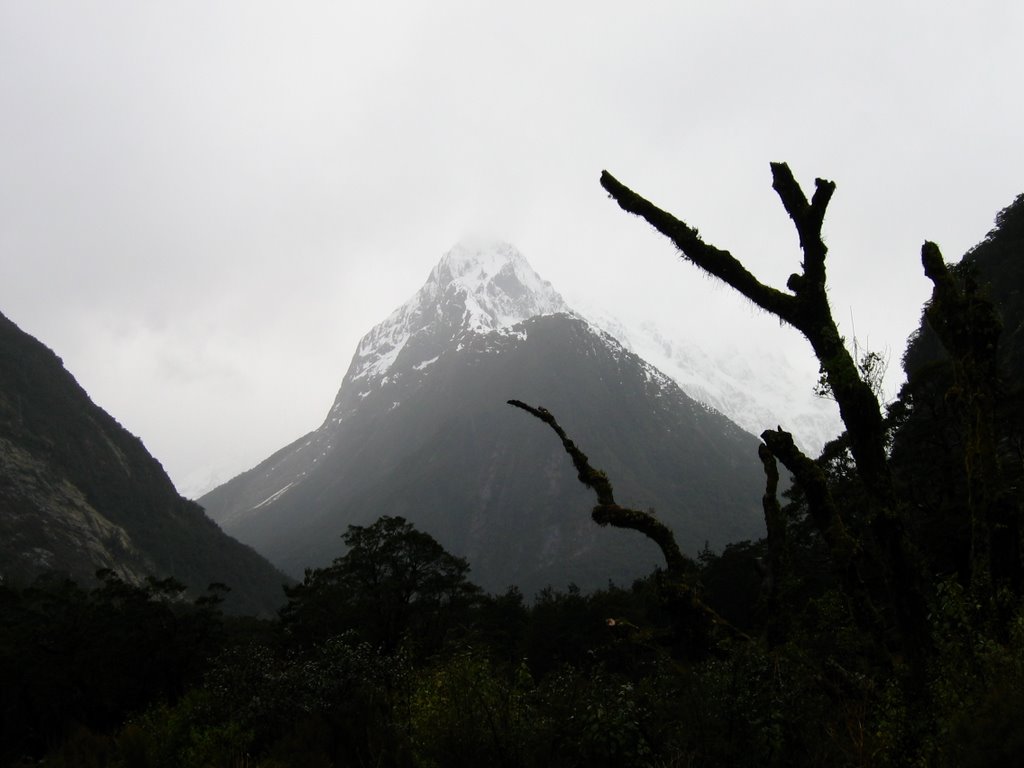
79 493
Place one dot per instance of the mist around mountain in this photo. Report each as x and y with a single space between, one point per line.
420 429
78 493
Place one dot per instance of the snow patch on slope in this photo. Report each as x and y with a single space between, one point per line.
758 389
275 496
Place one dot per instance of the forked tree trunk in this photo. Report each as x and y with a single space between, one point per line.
805 306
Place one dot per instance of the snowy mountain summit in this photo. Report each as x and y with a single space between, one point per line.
477 287
493 283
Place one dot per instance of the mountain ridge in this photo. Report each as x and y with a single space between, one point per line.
420 428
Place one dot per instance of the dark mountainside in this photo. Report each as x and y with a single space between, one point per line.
434 441
79 493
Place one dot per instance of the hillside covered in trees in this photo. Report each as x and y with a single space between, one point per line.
878 623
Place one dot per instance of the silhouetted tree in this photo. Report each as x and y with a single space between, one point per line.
881 576
393 580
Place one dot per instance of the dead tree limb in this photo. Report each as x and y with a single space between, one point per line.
806 307
820 505
778 561
714 261
607 511
694 618
774 520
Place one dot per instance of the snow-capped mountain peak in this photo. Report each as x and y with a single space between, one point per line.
479 286
497 284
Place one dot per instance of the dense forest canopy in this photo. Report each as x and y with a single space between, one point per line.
878 623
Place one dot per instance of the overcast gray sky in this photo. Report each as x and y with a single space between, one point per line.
204 205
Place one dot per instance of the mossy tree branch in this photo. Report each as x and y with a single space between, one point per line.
842 547
714 261
807 217
693 616
806 308
608 511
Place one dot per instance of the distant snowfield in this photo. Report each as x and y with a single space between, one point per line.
757 388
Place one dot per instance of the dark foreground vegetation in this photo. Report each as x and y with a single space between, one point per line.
879 622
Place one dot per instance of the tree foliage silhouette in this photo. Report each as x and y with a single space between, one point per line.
392 581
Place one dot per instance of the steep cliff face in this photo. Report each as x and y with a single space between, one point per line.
420 428
79 493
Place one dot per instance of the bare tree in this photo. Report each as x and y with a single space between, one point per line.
894 582
805 306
